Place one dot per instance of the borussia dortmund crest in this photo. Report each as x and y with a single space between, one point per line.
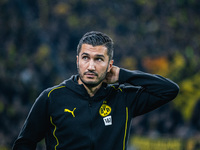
105 110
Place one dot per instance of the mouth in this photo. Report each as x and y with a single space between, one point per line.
90 75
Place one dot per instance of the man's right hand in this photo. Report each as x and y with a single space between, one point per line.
112 76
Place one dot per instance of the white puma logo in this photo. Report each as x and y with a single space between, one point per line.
72 112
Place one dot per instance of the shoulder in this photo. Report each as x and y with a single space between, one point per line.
57 88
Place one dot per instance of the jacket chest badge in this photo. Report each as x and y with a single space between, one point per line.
104 111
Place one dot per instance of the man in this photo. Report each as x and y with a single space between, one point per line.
88 111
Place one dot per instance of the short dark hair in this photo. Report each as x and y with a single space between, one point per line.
96 38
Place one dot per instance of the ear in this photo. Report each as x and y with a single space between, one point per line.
110 65
77 61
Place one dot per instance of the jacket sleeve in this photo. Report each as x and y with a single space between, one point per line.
152 90
35 125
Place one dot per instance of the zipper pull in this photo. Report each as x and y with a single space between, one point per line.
90 103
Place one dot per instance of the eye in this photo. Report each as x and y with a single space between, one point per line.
99 59
85 58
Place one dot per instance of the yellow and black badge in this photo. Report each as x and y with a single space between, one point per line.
104 110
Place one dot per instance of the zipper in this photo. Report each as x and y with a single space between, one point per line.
91 126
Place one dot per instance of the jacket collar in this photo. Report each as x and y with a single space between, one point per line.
72 84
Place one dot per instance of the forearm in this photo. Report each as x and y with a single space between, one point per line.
24 144
154 84
34 127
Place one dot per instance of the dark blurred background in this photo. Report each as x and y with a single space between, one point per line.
38 40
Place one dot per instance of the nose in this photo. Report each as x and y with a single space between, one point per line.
91 66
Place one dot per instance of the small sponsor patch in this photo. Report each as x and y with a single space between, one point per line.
107 120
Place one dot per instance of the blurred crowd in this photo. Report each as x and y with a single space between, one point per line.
38 42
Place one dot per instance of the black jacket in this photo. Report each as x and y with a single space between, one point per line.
69 119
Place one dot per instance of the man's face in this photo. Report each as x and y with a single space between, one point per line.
93 64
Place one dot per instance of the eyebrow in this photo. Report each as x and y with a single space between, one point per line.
98 55
84 54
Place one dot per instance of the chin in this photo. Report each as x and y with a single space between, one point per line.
91 83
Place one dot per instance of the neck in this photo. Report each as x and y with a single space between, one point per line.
91 90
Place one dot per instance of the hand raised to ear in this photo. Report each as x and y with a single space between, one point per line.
112 76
